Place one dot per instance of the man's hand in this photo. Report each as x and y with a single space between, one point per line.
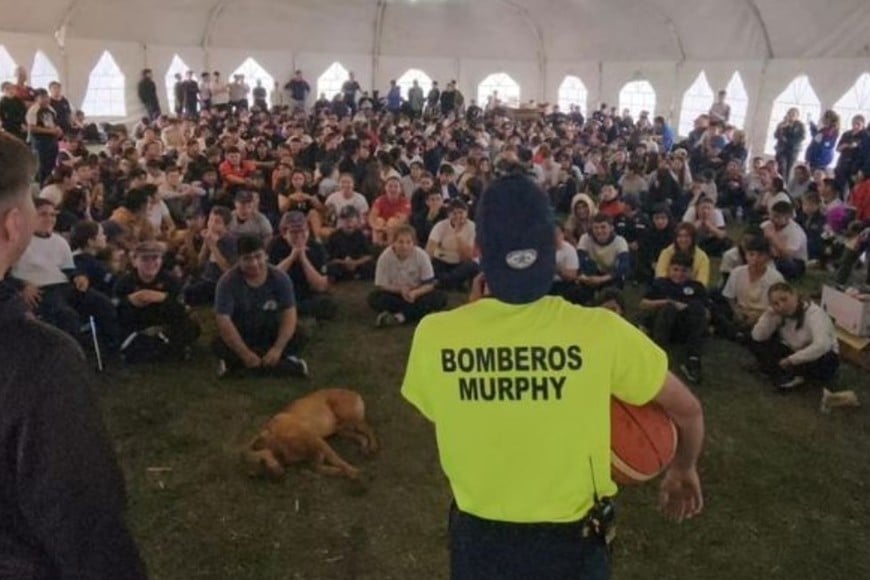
678 305
271 358
32 296
785 364
251 360
81 283
680 496
409 295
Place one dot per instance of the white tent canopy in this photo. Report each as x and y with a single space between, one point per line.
538 43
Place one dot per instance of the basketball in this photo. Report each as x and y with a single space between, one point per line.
643 441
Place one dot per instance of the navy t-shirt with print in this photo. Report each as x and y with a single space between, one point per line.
256 312
666 289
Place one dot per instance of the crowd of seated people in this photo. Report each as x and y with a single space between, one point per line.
260 212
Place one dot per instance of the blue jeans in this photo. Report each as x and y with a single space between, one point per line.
487 550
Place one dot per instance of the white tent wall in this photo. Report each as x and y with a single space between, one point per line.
588 72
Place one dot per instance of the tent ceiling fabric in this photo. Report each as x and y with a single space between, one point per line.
555 29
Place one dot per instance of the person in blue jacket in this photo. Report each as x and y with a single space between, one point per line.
820 153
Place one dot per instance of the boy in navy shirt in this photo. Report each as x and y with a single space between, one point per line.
349 250
678 310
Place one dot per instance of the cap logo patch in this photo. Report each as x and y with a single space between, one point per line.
521 259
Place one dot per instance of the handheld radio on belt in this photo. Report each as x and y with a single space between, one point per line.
600 521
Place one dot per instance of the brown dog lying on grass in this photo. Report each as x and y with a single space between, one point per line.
298 433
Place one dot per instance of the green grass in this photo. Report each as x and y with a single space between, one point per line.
786 488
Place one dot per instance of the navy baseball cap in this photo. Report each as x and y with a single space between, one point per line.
515 236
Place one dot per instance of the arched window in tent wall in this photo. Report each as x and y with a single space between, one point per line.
799 93
7 66
329 83
406 81
696 101
43 72
856 101
503 86
176 66
254 72
572 91
105 95
637 96
738 99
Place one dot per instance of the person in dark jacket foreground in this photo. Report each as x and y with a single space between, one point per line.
62 496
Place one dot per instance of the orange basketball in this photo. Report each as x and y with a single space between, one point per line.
643 441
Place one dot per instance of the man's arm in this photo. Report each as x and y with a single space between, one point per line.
287 329
231 337
318 282
680 494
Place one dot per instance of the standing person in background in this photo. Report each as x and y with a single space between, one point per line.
61 106
433 99
720 110
191 95
205 91
349 90
147 91
394 98
45 134
13 113
820 153
849 161
220 93
178 94
259 94
298 89
789 135
416 100
537 522
61 493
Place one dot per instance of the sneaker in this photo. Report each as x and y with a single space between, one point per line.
222 368
789 384
385 319
296 366
692 369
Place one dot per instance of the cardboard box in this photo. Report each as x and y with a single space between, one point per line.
854 349
850 312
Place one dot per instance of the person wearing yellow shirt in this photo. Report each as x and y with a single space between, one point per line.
518 385
686 243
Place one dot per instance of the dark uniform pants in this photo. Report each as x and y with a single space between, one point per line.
487 550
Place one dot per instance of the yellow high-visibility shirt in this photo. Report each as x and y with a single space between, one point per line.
520 399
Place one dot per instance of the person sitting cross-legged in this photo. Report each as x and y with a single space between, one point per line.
349 250
451 247
153 321
604 259
216 256
677 305
55 290
794 340
405 282
256 316
303 258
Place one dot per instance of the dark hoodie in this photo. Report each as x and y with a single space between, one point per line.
61 493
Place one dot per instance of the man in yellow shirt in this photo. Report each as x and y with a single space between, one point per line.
518 385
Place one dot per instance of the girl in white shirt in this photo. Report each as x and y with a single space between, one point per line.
794 340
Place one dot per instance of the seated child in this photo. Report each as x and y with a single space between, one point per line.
745 292
349 250
389 212
709 224
154 324
256 316
88 243
812 220
794 340
451 247
658 237
678 312
217 255
788 241
404 282
604 258
567 270
296 251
